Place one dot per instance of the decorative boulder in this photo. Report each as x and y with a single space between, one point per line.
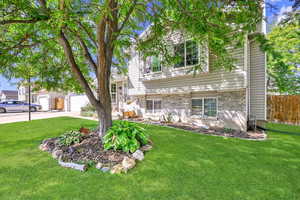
138 155
43 147
73 165
117 169
128 163
105 169
48 144
146 147
99 165
57 153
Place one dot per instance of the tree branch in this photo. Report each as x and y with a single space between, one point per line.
76 70
127 15
88 33
85 50
19 21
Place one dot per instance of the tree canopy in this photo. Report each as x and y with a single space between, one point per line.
30 30
284 57
68 44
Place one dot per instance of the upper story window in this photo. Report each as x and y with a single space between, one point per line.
187 53
113 92
153 64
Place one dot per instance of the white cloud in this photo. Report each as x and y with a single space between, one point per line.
283 11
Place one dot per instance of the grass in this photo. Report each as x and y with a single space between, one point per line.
182 166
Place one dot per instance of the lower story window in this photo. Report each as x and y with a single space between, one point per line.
197 107
206 107
210 107
153 106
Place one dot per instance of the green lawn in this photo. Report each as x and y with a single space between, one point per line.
182 166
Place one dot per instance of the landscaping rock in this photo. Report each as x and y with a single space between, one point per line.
43 147
48 144
56 154
73 165
117 169
138 155
128 163
146 147
99 165
105 169
116 157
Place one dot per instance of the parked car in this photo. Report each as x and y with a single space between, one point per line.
17 106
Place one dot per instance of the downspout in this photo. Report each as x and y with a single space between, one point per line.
247 78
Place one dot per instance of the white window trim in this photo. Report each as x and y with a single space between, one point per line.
157 72
187 66
153 110
202 115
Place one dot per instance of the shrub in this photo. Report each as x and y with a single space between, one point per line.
88 111
125 136
88 108
228 130
70 137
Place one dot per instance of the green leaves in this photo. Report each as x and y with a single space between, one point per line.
284 57
70 137
125 136
220 24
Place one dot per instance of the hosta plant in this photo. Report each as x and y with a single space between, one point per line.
125 136
70 137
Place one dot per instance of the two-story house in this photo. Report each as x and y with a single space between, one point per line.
213 97
8 95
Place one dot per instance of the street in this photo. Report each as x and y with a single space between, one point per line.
23 116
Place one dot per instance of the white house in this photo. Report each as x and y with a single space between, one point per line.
8 95
49 100
214 97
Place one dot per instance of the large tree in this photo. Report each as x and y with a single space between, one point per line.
284 56
69 43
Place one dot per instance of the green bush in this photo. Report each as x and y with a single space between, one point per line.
87 114
125 136
88 108
70 137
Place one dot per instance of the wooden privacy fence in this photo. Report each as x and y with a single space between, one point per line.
284 108
59 103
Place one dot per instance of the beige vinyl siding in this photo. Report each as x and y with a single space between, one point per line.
215 81
135 85
236 53
257 75
172 80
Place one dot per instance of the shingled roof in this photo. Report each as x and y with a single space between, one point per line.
10 94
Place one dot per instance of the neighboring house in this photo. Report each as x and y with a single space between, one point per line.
74 102
8 95
214 97
49 100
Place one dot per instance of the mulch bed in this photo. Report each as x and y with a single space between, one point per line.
249 135
89 149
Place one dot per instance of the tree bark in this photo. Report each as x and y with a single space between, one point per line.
103 104
105 120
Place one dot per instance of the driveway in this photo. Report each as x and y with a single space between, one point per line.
18 117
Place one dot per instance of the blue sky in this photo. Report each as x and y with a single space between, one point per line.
281 5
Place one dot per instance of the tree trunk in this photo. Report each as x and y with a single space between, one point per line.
105 120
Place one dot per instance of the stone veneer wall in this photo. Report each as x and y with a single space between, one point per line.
231 108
